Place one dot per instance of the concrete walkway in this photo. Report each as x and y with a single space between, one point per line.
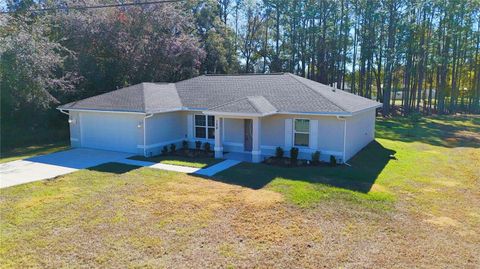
219 167
169 167
64 162
209 171
54 164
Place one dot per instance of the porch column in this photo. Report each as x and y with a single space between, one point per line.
256 151
218 138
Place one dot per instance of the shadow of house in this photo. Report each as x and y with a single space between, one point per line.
360 176
114 168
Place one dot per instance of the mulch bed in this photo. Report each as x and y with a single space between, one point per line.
287 162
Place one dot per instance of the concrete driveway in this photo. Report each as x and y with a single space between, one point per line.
55 164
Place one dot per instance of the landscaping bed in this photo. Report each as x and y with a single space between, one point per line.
293 161
199 157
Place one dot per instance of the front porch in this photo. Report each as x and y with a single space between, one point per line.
241 156
251 140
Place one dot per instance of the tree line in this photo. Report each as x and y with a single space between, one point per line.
413 56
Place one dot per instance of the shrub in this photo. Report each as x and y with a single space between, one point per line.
173 148
333 160
316 157
185 144
198 145
294 155
279 152
206 146
415 117
164 150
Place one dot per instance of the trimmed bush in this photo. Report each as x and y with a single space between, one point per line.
294 155
185 144
173 148
316 157
164 150
206 146
333 160
198 145
279 152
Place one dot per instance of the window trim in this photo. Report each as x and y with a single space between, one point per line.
206 127
295 132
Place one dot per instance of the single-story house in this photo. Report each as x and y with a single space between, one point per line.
250 114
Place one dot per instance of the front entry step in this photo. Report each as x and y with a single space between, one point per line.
219 167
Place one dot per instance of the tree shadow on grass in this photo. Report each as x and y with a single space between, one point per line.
113 168
445 131
360 176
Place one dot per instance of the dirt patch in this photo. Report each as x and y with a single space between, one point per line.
260 198
443 221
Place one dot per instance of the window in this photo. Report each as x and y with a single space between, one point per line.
204 127
301 132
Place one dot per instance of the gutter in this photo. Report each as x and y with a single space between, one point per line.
99 110
144 133
61 110
66 113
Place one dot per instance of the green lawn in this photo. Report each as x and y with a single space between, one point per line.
197 162
421 210
30 151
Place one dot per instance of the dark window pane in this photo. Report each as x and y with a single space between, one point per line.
211 121
211 133
301 140
302 126
200 132
199 120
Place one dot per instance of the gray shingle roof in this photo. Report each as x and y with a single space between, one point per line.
250 93
250 104
143 97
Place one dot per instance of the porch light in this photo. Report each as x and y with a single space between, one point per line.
139 125
71 121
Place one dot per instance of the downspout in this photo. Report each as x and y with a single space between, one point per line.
144 134
66 113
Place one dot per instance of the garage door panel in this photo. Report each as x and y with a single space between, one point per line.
116 132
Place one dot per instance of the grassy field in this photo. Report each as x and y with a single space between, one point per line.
198 162
24 152
421 210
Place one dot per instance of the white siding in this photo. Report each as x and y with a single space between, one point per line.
360 132
119 131
277 131
75 134
109 131
165 129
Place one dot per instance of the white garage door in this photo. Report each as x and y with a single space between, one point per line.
110 131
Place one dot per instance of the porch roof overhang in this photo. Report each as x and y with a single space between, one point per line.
250 106
237 114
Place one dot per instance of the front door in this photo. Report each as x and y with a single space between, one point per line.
248 134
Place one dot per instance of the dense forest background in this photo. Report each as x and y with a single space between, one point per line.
416 57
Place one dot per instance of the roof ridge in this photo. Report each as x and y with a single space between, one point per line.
174 85
318 92
245 74
259 110
252 103
98 95
144 103
229 102
154 86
